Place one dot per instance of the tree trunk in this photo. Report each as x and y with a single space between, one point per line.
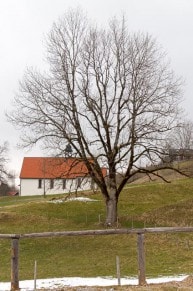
111 208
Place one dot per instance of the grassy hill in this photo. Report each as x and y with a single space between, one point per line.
148 204
185 167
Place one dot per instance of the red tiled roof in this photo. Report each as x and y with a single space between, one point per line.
50 168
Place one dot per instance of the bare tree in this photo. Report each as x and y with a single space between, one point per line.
181 137
108 94
3 161
179 142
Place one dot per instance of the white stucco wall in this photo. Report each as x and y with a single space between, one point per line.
29 187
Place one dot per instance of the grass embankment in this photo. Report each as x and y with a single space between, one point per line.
152 204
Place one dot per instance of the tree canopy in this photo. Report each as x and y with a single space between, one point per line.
108 94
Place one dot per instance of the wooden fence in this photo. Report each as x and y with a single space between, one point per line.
140 232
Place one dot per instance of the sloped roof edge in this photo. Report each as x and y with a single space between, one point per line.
53 167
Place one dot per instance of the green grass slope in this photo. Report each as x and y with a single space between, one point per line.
149 204
186 167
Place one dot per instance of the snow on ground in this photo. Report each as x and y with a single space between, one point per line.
77 281
81 199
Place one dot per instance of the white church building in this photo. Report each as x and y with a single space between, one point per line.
51 175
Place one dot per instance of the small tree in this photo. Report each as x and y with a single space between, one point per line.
181 137
3 161
108 94
179 143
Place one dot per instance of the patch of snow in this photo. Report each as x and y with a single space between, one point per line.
82 199
28 285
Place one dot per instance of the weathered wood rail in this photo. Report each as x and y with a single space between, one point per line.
140 232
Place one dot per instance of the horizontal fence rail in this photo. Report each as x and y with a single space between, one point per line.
140 232
100 232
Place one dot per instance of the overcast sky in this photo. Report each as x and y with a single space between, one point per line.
25 23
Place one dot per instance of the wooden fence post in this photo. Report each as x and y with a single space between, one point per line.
35 274
15 264
118 270
141 259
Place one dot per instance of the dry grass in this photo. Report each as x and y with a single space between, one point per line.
185 167
152 204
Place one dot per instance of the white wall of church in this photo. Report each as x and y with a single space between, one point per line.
31 187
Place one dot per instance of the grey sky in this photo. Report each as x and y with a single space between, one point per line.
24 24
